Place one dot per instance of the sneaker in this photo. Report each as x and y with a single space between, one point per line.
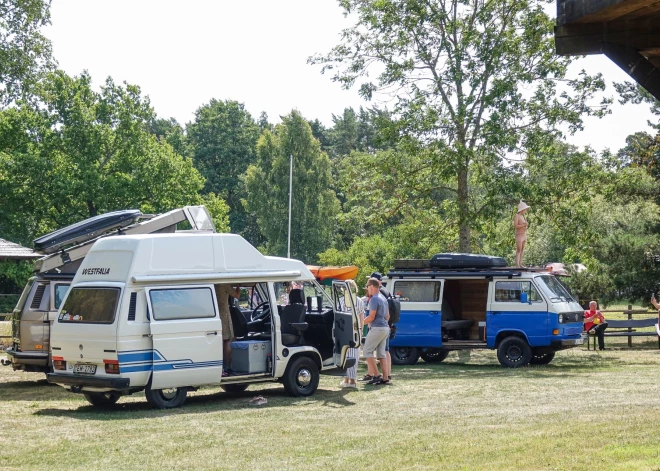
366 378
348 386
384 382
375 380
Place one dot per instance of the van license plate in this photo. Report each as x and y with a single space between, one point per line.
85 369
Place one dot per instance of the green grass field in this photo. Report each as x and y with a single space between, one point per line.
586 410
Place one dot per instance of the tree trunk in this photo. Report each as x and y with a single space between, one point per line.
92 209
463 211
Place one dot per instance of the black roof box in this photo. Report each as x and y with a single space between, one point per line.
466 260
86 230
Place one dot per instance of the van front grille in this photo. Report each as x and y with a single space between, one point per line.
38 296
131 307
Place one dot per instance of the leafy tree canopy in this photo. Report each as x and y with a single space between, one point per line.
223 138
474 82
83 152
25 54
314 204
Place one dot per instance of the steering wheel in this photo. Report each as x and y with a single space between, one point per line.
264 314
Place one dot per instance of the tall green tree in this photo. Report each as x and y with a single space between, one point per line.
25 53
314 204
82 153
223 139
474 82
170 131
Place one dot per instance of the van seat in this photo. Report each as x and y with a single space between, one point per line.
458 325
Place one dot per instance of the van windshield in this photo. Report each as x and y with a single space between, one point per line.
554 289
90 306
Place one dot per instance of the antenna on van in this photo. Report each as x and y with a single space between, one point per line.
288 246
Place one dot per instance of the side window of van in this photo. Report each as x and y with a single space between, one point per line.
182 303
509 291
60 292
418 291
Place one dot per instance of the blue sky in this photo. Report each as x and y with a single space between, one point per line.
182 54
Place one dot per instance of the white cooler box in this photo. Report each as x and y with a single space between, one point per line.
250 356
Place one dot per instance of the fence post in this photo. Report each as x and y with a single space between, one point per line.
630 328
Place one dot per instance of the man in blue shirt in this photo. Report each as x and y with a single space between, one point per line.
379 331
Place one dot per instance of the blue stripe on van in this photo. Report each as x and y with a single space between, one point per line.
148 360
137 356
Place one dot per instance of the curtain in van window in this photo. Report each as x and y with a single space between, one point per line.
184 303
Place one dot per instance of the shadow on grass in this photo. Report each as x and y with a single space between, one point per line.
568 366
215 402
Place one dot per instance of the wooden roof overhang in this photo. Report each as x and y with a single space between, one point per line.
626 31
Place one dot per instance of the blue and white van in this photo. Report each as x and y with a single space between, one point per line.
525 314
142 314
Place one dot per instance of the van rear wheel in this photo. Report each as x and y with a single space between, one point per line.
102 399
514 352
404 355
165 398
433 355
301 377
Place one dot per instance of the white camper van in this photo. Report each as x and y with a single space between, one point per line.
142 314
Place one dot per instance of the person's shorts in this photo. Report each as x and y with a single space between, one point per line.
376 341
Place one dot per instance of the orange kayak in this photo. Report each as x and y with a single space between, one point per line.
338 273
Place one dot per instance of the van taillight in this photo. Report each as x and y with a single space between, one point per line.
59 363
111 367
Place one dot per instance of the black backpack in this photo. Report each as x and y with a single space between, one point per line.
393 305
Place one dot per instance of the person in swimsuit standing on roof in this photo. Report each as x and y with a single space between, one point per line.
520 225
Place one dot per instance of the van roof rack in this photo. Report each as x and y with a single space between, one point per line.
462 272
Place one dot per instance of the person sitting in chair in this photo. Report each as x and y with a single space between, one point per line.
594 322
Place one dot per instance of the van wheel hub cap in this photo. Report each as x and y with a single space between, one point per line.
169 394
304 377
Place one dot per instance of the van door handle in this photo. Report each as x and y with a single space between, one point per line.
212 333
434 312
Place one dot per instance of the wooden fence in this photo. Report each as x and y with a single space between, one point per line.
629 316
6 316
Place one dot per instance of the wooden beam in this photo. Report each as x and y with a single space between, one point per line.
635 65
579 39
590 11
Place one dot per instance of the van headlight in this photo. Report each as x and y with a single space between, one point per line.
561 318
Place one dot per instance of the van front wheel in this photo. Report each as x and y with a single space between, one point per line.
165 398
104 399
542 358
301 377
404 355
514 352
